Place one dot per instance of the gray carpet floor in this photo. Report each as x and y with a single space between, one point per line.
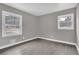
40 47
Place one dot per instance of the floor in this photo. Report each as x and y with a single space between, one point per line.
40 47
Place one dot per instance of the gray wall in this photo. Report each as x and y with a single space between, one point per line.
29 26
43 26
48 27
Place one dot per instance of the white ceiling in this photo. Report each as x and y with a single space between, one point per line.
39 9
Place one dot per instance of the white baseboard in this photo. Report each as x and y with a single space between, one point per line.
59 41
63 42
49 39
9 45
77 48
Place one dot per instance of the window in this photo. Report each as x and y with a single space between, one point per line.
11 24
66 21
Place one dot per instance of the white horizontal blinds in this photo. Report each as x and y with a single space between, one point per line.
13 21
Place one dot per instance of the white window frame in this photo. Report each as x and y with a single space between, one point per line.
4 14
72 20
